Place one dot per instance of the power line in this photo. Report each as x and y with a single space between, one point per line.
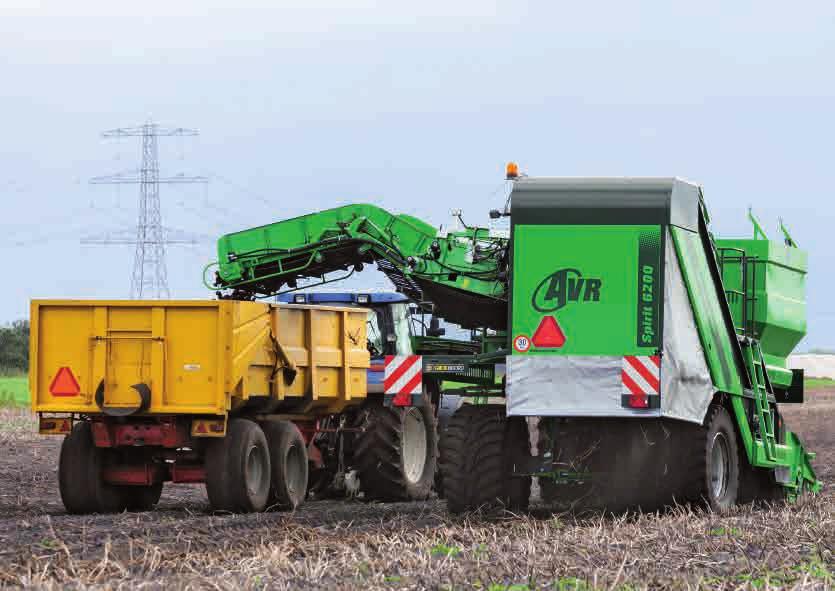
260 198
169 236
225 219
221 223
150 275
71 222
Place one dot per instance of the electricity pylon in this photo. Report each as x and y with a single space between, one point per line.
150 275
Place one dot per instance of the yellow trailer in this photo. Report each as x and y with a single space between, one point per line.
222 392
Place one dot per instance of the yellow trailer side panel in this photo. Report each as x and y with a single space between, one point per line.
196 357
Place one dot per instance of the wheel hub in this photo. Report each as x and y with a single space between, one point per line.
255 472
719 465
413 444
294 465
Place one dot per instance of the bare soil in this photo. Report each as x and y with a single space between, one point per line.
353 544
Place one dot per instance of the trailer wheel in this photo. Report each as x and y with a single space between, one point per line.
396 455
80 479
288 461
238 469
141 498
720 484
478 451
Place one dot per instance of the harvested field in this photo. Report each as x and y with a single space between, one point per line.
352 544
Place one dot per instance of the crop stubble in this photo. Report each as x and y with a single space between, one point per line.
352 544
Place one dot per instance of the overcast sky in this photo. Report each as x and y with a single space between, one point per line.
412 105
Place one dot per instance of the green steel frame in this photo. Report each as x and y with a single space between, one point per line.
462 272
747 296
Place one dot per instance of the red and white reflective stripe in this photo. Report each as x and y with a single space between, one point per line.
403 374
641 375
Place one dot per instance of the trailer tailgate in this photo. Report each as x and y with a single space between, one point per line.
79 347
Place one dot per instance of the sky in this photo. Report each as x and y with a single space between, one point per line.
413 106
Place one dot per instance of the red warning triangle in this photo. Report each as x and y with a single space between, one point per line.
548 335
64 383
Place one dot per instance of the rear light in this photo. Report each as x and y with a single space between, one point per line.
363 298
298 298
638 401
208 428
54 425
402 399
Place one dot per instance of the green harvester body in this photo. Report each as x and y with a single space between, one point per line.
766 285
595 268
595 275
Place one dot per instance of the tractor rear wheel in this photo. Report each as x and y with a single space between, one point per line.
396 452
238 469
479 451
288 462
81 475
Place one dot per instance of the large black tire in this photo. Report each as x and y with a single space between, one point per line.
717 484
238 469
448 404
396 453
288 462
80 475
479 449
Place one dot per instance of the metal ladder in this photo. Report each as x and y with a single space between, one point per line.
756 370
745 297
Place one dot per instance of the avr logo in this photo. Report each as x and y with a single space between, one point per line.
564 286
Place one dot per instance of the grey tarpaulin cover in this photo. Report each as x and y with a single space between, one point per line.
686 387
581 385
